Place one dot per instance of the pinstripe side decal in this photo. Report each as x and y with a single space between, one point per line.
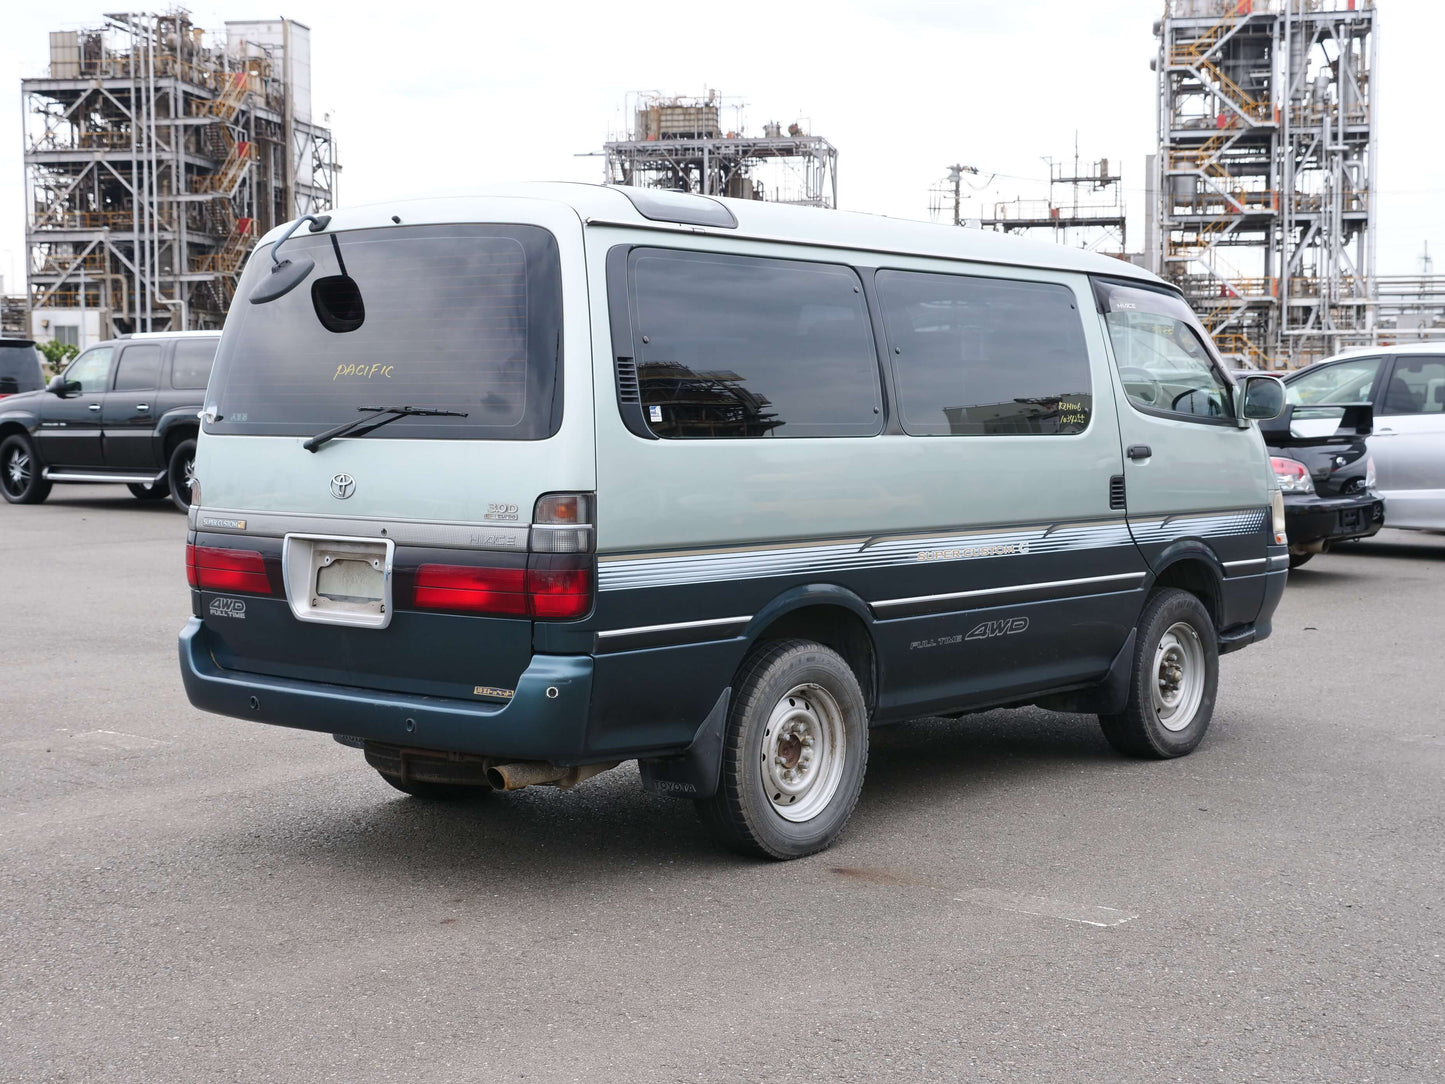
623 572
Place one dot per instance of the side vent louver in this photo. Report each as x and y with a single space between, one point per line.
1116 491
628 390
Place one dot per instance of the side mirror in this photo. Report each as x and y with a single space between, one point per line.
1263 398
60 386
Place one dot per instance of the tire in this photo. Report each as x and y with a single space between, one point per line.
152 492
1174 680
1297 559
20 480
179 472
794 753
433 792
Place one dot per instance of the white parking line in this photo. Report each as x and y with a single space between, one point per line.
1085 914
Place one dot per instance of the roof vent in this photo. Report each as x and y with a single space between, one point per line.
664 205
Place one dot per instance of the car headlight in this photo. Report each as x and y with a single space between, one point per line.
1294 476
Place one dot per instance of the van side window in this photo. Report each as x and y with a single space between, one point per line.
1165 367
191 367
743 346
981 356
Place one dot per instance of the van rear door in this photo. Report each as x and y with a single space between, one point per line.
401 556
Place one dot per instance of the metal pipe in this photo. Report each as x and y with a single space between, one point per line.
533 773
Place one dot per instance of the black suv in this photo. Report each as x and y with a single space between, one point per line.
123 411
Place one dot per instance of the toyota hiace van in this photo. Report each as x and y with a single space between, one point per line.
507 490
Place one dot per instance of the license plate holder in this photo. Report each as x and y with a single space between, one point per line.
336 580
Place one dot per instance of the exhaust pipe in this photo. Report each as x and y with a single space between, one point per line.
536 773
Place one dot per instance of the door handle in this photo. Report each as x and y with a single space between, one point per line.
1140 451
1387 432
94 408
142 406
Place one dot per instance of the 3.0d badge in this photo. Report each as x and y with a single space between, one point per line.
342 486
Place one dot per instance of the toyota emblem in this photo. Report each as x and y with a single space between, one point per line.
342 486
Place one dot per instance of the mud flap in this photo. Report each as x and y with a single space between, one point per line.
1109 696
694 772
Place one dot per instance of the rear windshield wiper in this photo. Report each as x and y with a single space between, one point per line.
392 413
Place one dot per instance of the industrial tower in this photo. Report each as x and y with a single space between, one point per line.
1264 187
153 161
680 143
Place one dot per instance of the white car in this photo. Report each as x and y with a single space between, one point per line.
1406 385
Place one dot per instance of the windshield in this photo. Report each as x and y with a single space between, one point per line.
19 368
459 317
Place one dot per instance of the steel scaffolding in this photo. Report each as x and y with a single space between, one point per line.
681 144
153 161
1264 185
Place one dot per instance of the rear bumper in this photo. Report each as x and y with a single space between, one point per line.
1310 519
546 719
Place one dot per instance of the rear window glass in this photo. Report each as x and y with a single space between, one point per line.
191 367
456 317
740 346
986 357
19 368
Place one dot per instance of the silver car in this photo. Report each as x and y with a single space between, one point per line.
1406 385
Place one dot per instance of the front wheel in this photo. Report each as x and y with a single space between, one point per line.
1297 559
1174 680
794 753
181 472
20 473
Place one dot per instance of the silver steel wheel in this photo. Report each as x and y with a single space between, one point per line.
804 749
1179 673
17 471
188 474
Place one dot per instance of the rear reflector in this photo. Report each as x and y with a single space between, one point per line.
212 568
546 593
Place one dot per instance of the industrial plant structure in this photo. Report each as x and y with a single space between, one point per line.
1264 186
682 144
154 158
1084 208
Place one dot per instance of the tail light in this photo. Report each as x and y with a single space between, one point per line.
549 588
465 589
1294 476
212 568
556 584
1276 508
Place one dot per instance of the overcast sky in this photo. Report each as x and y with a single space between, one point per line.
437 97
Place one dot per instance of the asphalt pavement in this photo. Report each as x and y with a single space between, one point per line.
190 898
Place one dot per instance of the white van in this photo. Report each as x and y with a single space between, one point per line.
509 489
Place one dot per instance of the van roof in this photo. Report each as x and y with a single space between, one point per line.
757 220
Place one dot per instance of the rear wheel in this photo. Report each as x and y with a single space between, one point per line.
1174 680
433 792
1297 559
794 753
20 478
153 492
181 472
